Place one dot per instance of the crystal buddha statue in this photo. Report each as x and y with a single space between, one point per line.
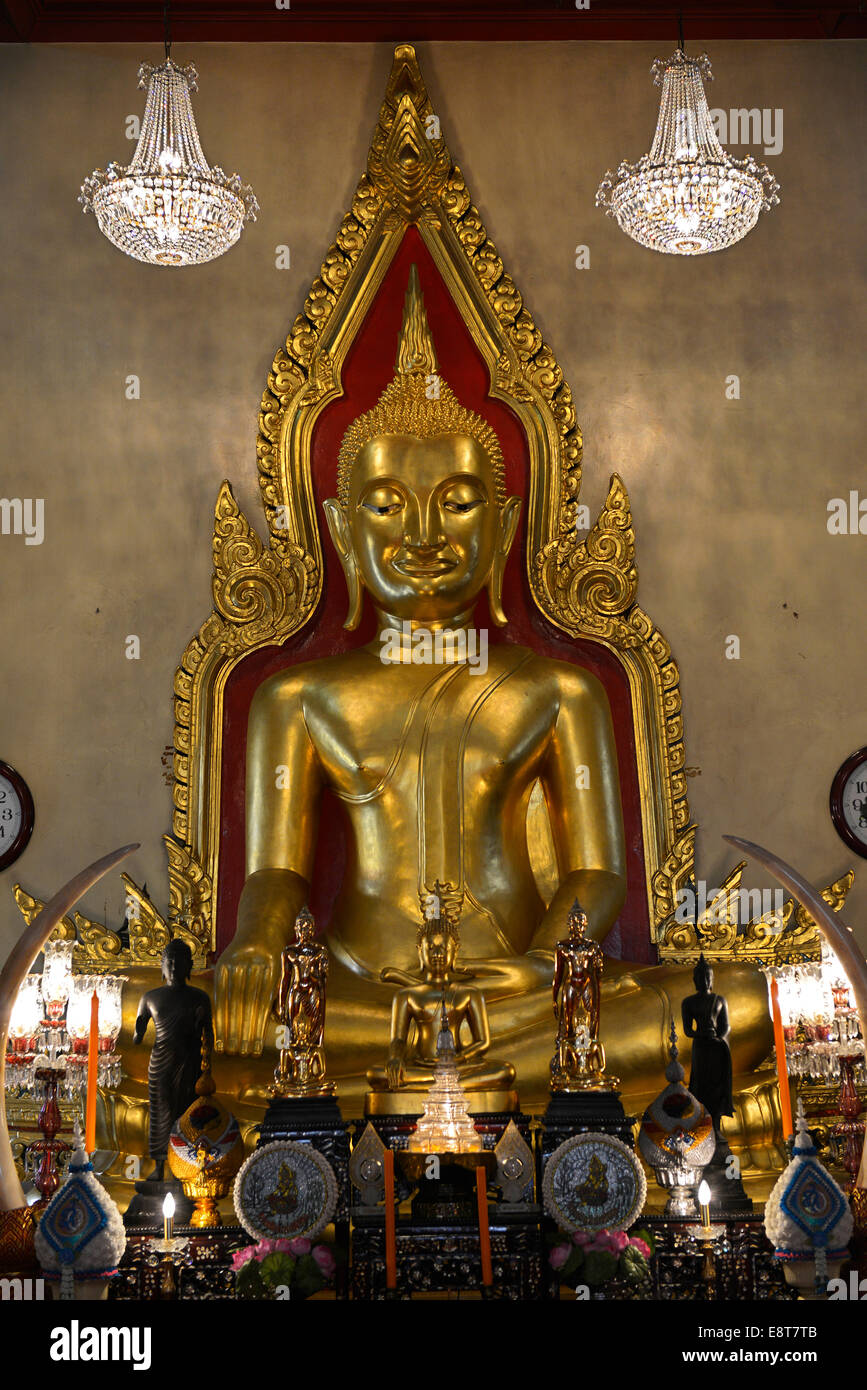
435 762
410 1067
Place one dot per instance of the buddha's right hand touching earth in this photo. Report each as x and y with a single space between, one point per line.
248 971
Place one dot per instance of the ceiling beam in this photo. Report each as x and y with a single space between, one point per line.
365 21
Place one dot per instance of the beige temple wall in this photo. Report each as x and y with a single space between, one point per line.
729 496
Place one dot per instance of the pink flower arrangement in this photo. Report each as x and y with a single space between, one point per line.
298 1246
325 1260
614 1242
263 1268
594 1257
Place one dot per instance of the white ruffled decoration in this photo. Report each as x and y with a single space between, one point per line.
93 1258
789 1239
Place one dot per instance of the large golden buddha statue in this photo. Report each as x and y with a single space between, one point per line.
434 758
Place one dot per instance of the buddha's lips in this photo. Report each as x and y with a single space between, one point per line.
424 567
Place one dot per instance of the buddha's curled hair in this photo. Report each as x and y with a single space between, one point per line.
417 402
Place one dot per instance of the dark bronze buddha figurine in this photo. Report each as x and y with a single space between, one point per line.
181 1017
706 1020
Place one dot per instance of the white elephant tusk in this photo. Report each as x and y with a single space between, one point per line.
22 956
838 934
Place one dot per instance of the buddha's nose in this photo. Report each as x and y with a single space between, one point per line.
423 531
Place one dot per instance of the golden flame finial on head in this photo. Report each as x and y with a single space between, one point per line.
415 348
441 911
413 404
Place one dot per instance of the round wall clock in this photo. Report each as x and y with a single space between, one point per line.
16 815
849 802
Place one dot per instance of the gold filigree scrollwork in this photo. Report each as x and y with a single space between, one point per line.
149 933
536 365
190 900
262 594
593 582
29 906
784 936
408 160
290 374
673 875
259 592
99 951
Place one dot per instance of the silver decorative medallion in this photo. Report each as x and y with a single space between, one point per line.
367 1167
285 1190
593 1182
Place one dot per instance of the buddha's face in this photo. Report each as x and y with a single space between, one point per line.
577 925
423 525
175 968
437 953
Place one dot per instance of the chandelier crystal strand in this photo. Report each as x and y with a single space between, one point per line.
688 196
168 207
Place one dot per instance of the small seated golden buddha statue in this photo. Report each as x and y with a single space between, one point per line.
399 1086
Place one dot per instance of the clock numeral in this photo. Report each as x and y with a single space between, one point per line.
7 814
2 796
861 786
2 833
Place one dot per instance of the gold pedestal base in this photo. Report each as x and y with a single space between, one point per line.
407 1102
205 1214
580 1085
288 1090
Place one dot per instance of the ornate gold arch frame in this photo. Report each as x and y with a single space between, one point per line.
585 587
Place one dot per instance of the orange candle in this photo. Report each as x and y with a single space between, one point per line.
390 1231
782 1069
484 1230
92 1057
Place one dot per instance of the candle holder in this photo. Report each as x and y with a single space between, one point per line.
706 1234
848 1136
57 978
48 1149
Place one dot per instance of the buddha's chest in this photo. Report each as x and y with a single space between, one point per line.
480 737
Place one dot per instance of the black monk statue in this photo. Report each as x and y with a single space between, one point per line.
182 1017
706 1020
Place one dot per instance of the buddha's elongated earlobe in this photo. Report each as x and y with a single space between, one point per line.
509 516
338 528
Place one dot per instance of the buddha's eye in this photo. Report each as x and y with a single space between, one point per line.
383 502
461 507
461 499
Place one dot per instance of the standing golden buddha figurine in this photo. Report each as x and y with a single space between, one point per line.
301 1011
579 1058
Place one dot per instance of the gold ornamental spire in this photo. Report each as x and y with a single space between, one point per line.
415 347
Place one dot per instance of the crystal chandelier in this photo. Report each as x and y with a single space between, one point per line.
687 196
168 207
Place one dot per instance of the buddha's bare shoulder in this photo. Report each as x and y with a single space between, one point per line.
288 687
564 679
